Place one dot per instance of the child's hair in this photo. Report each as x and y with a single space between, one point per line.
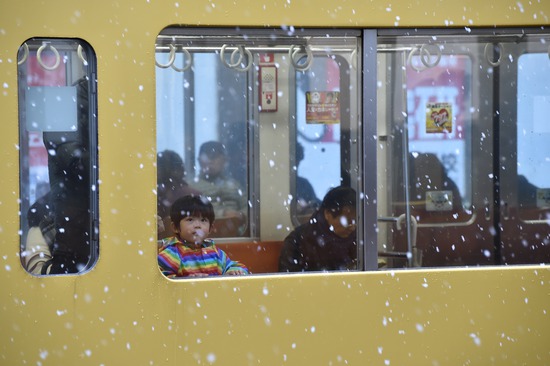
338 198
191 206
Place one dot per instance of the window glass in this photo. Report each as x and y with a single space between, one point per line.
202 132
462 145
443 90
533 134
243 118
58 156
319 118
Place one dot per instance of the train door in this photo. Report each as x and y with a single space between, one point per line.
451 137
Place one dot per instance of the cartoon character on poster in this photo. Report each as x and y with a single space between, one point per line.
323 107
439 117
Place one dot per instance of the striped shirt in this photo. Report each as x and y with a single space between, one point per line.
177 259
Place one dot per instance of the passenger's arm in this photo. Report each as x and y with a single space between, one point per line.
232 268
290 257
37 252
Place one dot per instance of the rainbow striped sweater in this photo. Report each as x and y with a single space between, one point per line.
179 259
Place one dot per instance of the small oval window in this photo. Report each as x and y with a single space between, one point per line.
58 156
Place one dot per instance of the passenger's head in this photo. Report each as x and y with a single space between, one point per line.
192 217
339 208
170 167
212 159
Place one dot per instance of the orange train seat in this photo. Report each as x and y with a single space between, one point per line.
258 256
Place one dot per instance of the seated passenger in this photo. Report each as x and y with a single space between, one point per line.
328 241
69 168
225 193
171 185
189 253
427 175
38 245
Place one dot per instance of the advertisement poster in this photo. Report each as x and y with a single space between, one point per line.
439 117
322 107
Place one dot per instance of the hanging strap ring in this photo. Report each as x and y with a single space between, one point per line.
488 57
354 59
425 55
39 57
295 49
232 63
25 48
188 61
250 60
171 58
79 51
411 54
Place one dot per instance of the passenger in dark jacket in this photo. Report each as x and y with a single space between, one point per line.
328 241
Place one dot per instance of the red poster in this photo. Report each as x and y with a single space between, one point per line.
322 107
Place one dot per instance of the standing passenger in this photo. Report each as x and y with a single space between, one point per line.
328 242
225 193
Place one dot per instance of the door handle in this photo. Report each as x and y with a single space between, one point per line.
414 255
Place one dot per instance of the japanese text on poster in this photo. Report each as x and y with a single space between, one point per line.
322 107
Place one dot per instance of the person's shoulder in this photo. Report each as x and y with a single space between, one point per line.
297 232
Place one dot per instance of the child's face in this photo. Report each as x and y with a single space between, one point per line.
193 229
211 167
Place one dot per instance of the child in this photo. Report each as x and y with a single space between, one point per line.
188 253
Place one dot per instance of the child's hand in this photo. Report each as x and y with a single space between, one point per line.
236 272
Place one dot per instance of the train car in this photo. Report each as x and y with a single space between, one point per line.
435 113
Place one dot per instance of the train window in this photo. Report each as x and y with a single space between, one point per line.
58 156
236 112
451 103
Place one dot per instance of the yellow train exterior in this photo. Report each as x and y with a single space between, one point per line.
124 311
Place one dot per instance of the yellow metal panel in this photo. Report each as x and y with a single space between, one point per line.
125 312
